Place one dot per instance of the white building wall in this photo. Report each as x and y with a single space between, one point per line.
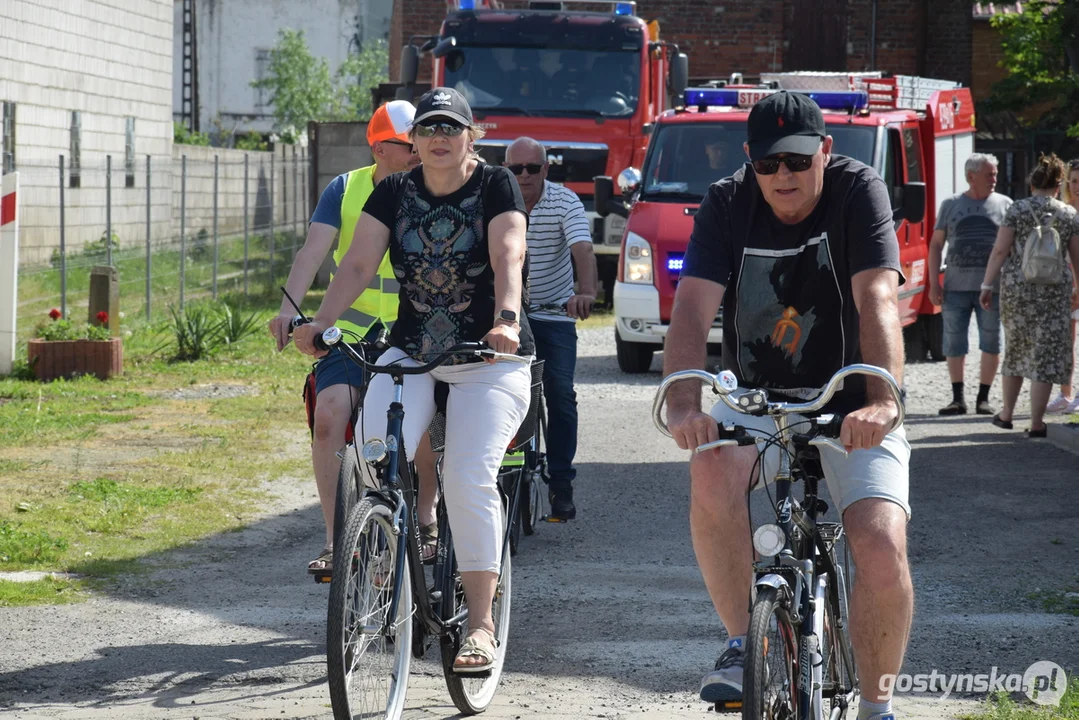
232 32
110 60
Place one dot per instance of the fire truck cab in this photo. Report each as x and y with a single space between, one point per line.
588 85
916 133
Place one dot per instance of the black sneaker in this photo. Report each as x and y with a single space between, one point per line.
955 407
562 507
724 683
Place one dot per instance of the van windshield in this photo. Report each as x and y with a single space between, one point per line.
684 159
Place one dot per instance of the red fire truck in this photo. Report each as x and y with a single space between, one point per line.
916 132
588 85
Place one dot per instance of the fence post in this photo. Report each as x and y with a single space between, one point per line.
246 196
183 224
295 201
63 245
108 209
273 163
148 275
215 228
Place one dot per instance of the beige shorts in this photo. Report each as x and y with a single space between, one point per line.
880 472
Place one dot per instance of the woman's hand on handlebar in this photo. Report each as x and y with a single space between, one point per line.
691 428
866 427
280 329
502 338
304 337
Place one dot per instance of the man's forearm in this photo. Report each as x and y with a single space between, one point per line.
587 272
935 255
300 277
881 342
685 348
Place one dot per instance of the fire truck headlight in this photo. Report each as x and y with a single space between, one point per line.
638 260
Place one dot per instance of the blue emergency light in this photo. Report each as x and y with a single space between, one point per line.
623 9
748 97
674 263
466 4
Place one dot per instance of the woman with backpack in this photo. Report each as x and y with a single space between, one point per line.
1032 246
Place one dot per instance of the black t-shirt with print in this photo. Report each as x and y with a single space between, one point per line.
789 318
440 255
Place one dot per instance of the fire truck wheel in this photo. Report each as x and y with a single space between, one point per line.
914 341
633 357
934 334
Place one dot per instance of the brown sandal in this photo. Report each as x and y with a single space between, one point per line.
428 543
323 564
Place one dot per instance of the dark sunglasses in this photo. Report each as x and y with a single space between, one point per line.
794 163
448 129
398 142
533 168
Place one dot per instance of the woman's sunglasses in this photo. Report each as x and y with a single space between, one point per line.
448 129
533 168
794 163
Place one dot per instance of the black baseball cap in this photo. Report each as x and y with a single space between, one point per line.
785 122
443 102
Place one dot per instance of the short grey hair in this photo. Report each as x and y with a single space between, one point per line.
528 142
979 160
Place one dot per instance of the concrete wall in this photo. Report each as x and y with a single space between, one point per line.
231 33
110 60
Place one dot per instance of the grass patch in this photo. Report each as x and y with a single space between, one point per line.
47 591
600 317
1000 706
1060 602
97 475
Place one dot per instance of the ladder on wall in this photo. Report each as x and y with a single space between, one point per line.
189 103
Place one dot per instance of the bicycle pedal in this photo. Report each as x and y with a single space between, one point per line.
322 578
553 519
729 706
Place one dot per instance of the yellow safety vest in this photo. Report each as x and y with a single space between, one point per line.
380 299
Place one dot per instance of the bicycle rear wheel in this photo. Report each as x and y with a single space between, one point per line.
534 470
471 694
368 653
839 674
769 683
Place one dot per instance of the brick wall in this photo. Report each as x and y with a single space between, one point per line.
752 36
987 52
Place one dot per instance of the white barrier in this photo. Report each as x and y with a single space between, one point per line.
9 269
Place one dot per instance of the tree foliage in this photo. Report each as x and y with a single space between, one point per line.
1041 54
303 89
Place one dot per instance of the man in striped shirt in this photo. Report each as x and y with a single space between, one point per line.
558 239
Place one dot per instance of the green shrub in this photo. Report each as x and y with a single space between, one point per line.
182 136
251 141
200 331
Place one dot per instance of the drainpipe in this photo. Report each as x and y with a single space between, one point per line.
873 38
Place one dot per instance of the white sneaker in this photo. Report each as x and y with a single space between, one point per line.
1073 406
1059 404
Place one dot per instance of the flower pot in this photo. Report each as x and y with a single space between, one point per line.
53 359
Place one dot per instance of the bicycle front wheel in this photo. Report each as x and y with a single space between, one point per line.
349 488
368 652
471 694
770 681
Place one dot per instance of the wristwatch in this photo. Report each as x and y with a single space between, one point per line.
507 316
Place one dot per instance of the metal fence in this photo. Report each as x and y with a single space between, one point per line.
196 225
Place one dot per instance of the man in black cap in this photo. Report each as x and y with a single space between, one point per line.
800 248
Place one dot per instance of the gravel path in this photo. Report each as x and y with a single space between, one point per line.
610 617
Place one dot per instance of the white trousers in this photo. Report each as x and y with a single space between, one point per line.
486 405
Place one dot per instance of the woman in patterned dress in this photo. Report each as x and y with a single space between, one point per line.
1035 316
455 230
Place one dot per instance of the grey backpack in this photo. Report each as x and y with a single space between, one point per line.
1043 263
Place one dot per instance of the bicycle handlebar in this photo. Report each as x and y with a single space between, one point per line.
754 402
332 337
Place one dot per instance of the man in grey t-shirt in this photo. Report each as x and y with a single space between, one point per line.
968 223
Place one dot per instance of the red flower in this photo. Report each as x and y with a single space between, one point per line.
55 314
102 317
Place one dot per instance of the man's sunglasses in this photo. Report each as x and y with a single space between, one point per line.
533 168
794 163
398 142
448 129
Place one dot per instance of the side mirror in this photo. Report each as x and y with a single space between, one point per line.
679 79
444 46
603 189
629 182
912 202
410 64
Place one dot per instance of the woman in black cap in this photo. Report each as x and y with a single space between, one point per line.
455 229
